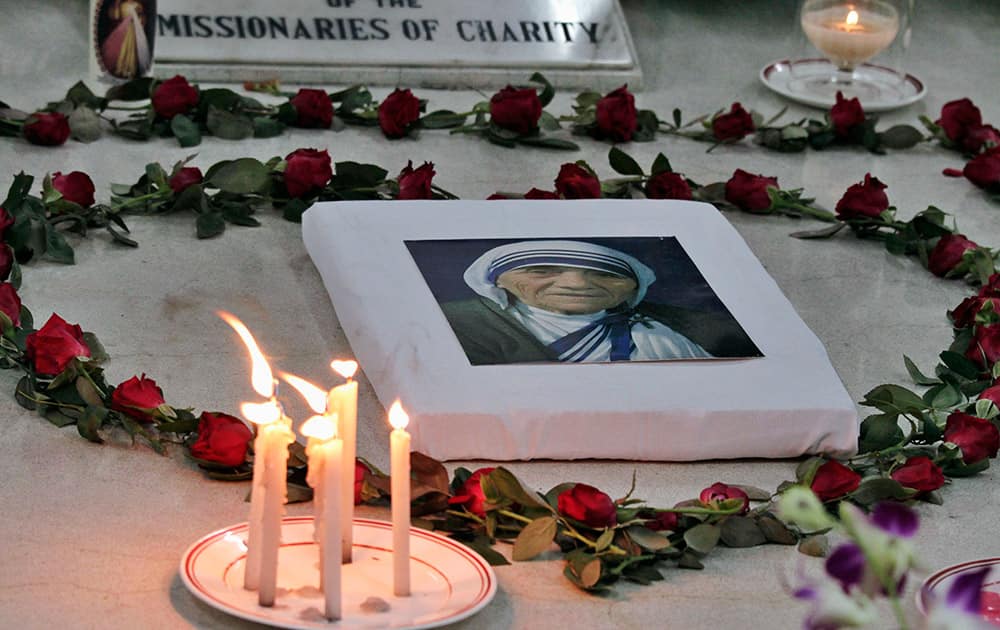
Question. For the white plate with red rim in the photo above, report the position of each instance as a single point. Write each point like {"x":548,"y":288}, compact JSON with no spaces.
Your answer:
{"x":936,"y":587}
{"x":449,"y":581}
{"x":899,"y":90}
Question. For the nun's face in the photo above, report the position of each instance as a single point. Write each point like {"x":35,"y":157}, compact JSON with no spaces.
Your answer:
{"x":567,"y":290}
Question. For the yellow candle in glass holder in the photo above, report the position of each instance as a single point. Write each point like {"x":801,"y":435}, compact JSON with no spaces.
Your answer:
{"x":849,"y":35}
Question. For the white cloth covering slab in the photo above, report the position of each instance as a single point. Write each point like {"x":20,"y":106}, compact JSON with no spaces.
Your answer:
{"x":784,"y":404}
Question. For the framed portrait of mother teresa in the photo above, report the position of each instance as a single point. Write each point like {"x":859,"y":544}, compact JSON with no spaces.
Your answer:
{"x":578,"y":300}
{"x":618,"y":329}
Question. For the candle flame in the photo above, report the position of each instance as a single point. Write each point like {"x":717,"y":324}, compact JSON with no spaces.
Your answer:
{"x":344,"y":368}
{"x":261,"y":376}
{"x":320,"y":427}
{"x":261,"y":413}
{"x":852,"y":18}
{"x":315,"y":397}
{"x":397,"y":417}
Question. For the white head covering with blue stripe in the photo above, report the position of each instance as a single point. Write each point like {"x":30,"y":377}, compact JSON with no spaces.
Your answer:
{"x":602,"y":336}
{"x":482,"y":274}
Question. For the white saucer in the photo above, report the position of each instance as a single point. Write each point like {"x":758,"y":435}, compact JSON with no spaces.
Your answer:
{"x":791,"y":79}
{"x":449,"y":581}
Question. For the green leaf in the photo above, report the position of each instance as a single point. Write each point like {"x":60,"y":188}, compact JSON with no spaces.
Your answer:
{"x":442,"y":119}
{"x":210,"y":224}
{"x":85,"y":124}
{"x":91,"y":421}
{"x":511,"y":488}
{"x":265,"y":127}
{"x":943,"y":396}
{"x":547,"y":90}
{"x":24,"y":393}
{"x":229,"y":126}
{"x":960,"y":365}
{"x":660,"y":165}
{"x":958,"y":468}
{"x":240,"y":177}
{"x":689,"y":560}
{"x":623,"y":163}
{"x":583,"y":569}
{"x":357,"y":175}
{"x":536,"y":537}
{"x":219,"y":98}
{"x":97,"y":352}
{"x":294,"y":208}
{"x":18,"y":190}
{"x":481,"y":545}
{"x":80,"y":94}
{"x":552,"y":496}
{"x":876,"y":489}
{"x":894,"y":399}
{"x":647,"y":538}
{"x":134,"y":90}
{"x":741,"y":531}
{"x":702,"y":538}
{"x":604,"y":540}
{"x":185,"y":130}
{"x":879,"y":432}
{"x":647,"y":124}
{"x":916,"y":375}
{"x":56,"y":247}
{"x":901,"y":137}
{"x":548,"y":143}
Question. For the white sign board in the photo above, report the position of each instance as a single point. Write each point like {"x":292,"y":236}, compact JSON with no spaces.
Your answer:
{"x":778,"y":398}
{"x":432,"y":43}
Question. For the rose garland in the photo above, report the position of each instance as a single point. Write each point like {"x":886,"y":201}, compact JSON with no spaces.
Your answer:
{"x":952,"y":428}
{"x":513,"y":116}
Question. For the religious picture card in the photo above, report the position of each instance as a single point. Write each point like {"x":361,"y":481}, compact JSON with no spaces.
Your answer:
{"x":578,"y":300}
{"x":618,"y":329}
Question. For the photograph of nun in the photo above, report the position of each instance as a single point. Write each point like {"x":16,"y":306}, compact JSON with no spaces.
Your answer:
{"x":578,"y":301}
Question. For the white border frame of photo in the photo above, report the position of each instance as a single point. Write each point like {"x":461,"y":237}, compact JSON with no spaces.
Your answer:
{"x":784,"y":404}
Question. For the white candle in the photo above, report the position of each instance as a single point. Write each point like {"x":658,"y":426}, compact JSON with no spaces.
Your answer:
{"x":399,"y":443}
{"x":850,"y":35}
{"x":343,"y":400}
{"x":325,"y":451}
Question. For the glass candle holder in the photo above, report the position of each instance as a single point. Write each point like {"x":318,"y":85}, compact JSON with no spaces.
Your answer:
{"x":854,"y":47}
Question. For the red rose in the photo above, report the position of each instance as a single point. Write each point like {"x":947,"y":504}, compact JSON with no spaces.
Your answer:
{"x":313,"y":108}
{"x":174,"y":96}
{"x":663,"y":521}
{"x":616,"y":115}
{"x":978,"y":138}
{"x":717,"y":492}
{"x":6,"y":261}
{"x":749,"y":192}
{"x":222,"y":439}
{"x":6,"y":220}
{"x":397,"y":112}
{"x":991,"y":393}
{"x":667,"y":185}
{"x":845,"y":115}
{"x":76,"y":187}
{"x":965,"y":313}
{"x":48,"y":129}
{"x":471,"y":494}
{"x":947,"y":253}
{"x":415,"y":183}
{"x":588,"y":505}
{"x":978,"y":438}
{"x":307,"y":171}
{"x":919,"y":473}
{"x":576,"y":182}
{"x":54,"y":345}
{"x":732,"y":126}
{"x":957,"y":117}
{"x":184,"y":178}
{"x":360,"y":471}
{"x":10,"y":302}
{"x":138,"y":397}
{"x":866,"y":199}
{"x":833,"y":480}
{"x":516,"y":110}
{"x":537,"y":193}
{"x":984,"y":169}
{"x":984,"y":350}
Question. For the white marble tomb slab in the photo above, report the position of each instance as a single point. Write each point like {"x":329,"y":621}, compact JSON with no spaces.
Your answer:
{"x":417,"y":43}
{"x":784,"y":404}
